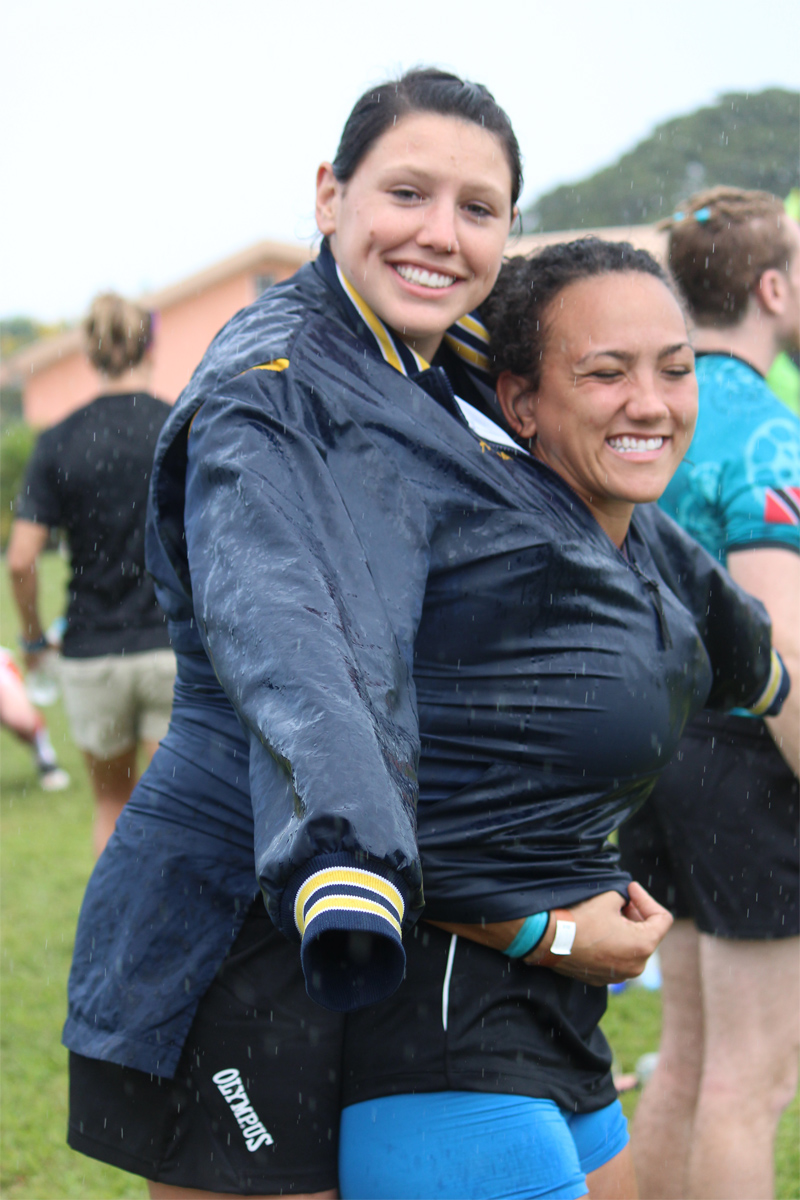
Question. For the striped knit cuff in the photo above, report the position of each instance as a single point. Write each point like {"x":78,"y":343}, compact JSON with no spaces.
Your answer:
{"x":770,"y":702}
{"x":350,"y":920}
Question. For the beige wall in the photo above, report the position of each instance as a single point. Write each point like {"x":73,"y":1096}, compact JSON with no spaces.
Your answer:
{"x":56,"y":391}
{"x":185,"y":330}
{"x":190,"y":319}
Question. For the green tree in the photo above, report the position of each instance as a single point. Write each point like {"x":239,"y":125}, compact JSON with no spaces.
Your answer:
{"x":16,"y":444}
{"x":747,"y":141}
{"x":16,"y":332}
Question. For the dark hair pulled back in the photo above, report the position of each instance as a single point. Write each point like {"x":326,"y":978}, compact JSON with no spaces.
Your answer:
{"x":425,"y":89}
{"x":117,"y":333}
{"x":517,"y":310}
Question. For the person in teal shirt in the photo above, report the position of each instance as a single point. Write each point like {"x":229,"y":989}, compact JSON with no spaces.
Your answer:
{"x":740,"y":489}
{"x":717,"y":841}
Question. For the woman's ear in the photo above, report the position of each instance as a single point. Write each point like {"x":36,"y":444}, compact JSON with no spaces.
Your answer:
{"x":328,"y":192}
{"x":518,"y":403}
{"x":771,"y":291}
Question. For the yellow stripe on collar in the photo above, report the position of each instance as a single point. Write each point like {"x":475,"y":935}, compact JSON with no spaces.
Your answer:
{"x":468,"y":353}
{"x":376,"y":325}
{"x":474,"y":327}
{"x":381,"y":333}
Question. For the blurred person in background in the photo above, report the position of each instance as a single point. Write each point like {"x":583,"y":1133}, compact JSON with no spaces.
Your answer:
{"x":89,"y":476}
{"x":718,"y":840}
{"x":784,"y":374}
{"x":19,"y":716}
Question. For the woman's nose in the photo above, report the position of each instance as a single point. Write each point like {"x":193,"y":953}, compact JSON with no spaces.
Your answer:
{"x":438,"y":229}
{"x":645,"y":402}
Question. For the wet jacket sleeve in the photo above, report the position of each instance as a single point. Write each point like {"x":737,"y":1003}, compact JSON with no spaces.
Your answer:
{"x":734,"y":626}
{"x":317,"y":663}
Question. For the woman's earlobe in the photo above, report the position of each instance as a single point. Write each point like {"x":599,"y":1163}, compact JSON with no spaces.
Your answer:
{"x":327,"y":192}
{"x":518,"y":403}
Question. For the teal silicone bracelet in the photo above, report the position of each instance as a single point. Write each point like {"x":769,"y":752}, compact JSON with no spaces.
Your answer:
{"x":530,"y":935}
{"x":35,"y":647}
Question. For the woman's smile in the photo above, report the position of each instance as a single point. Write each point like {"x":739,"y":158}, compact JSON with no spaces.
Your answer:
{"x":637,"y":448}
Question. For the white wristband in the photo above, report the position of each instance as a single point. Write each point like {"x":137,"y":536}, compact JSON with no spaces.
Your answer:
{"x":565,"y":936}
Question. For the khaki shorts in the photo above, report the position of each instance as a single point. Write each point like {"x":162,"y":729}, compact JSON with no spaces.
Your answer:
{"x":117,"y":700}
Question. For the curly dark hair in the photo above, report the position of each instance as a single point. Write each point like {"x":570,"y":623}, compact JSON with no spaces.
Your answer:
{"x":516,"y":311}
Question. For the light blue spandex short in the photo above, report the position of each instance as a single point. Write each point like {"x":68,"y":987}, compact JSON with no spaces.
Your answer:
{"x":455,"y":1145}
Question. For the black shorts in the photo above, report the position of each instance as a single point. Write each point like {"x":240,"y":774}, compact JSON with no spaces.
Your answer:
{"x":467,"y":1018}
{"x":254,"y":1105}
{"x":717,"y":841}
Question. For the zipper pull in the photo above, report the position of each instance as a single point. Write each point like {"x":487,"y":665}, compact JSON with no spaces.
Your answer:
{"x":655,"y":593}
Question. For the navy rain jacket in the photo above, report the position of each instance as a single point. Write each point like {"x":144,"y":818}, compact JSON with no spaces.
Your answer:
{"x":380,"y":605}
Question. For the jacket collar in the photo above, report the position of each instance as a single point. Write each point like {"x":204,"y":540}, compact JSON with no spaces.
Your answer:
{"x":468,"y":338}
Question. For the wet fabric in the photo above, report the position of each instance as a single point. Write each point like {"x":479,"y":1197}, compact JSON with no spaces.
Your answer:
{"x":372,"y":605}
{"x":456,"y":1144}
{"x":254,"y":1105}
{"x":469,"y":1019}
{"x":739,"y":486}
{"x":719,"y":839}
{"x":89,"y":476}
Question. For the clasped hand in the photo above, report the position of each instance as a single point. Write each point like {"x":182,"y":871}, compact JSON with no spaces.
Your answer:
{"x":613,"y":937}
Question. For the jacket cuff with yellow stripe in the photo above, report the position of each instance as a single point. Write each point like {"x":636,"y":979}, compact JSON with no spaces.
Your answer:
{"x":348,"y":914}
{"x":771,"y":700}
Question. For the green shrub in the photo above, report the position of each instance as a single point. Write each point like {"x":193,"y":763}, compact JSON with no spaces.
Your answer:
{"x":16,"y":443}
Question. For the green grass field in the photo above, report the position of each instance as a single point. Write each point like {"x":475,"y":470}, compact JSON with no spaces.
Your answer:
{"x":45,"y":860}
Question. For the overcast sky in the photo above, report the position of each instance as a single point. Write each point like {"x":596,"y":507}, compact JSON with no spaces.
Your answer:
{"x":143,"y":141}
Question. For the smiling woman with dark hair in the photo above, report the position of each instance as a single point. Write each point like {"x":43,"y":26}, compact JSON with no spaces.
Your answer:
{"x":353,"y":556}
{"x":576,"y":643}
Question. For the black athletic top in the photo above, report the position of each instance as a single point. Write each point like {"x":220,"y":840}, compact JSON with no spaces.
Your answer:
{"x":89,"y":475}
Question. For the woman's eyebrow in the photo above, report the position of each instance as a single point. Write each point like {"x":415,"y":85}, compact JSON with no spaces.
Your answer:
{"x":622,"y":355}
{"x":626,"y":356}
{"x":421,"y":174}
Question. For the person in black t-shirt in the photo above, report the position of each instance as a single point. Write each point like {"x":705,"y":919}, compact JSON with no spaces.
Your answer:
{"x":89,"y":475}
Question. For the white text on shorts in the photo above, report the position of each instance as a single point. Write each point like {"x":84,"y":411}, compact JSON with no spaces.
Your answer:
{"x":230,"y":1084}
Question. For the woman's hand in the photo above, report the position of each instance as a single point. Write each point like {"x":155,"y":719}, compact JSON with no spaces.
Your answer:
{"x":613,"y":939}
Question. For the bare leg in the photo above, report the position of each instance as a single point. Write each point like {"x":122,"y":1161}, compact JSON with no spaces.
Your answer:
{"x":147,"y":749}
{"x":113,"y":780}
{"x":661,"y":1134}
{"x":752,"y":1035}
{"x":615,"y":1180}
{"x":166,"y":1191}
{"x":16,"y":711}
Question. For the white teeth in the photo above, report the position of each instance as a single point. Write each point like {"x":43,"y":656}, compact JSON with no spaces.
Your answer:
{"x":626,"y":444}
{"x":425,"y":278}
